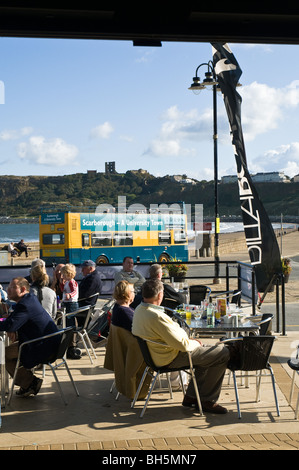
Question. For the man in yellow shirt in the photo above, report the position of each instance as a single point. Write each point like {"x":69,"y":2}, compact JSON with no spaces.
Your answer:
{"x":210,"y":362}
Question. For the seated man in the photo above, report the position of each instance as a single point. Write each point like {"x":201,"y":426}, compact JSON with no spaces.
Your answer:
{"x":210,"y":362}
{"x":128,"y":274}
{"x":29,"y":320}
{"x":11,"y":249}
{"x":90,"y":284}
{"x":22,"y":247}
{"x":155,"y":272}
{"x":133,"y":277}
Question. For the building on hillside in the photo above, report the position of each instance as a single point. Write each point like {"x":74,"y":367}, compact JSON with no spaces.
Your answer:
{"x":183,"y":179}
{"x":270,"y":177}
{"x":110,"y":167}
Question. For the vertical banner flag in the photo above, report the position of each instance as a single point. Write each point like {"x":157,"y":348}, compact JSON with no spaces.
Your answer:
{"x":260,"y":237}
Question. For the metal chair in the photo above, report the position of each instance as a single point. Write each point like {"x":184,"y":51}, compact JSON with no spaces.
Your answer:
{"x":82,"y":331}
{"x":294,"y":365}
{"x":261,"y":321}
{"x":66,"y":336}
{"x":170,"y":303}
{"x":91,"y":300}
{"x":198,"y":293}
{"x":155,"y":371}
{"x":254,"y":352}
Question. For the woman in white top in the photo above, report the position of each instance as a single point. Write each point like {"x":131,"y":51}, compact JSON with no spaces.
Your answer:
{"x":45,"y":295}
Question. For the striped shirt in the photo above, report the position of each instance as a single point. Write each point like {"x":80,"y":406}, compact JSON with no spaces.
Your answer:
{"x":71,"y":287}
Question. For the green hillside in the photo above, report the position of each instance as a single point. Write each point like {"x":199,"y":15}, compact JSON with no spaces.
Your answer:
{"x":23,"y":196}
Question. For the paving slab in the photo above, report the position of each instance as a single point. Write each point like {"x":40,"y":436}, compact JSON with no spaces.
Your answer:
{"x":96,"y":420}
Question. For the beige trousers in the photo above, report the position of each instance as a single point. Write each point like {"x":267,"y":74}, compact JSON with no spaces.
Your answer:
{"x":210,"y":363}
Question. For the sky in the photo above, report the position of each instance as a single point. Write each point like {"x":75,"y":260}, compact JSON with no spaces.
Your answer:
{"x":68,"y":106}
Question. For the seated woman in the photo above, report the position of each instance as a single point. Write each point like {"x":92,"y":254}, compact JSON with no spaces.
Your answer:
{"x":122,"y":314}
{"x":45,"y":295}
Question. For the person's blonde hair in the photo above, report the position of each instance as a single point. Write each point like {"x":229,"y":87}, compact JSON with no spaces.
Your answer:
{"x":122,"y":291}
{"x":68,"y":271}
{"x":39,"y":274}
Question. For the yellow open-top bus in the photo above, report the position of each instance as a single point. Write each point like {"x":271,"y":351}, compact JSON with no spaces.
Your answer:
{"x":72,"y":237}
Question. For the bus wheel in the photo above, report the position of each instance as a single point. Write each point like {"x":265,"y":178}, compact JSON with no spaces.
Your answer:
{"x":164,"y":258}
{"x":102,"y":260}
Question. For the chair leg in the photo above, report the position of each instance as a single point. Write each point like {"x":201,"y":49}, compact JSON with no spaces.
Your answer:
{"x":274,"y":389}
{"x":85,"y":346}
{"x":292,"y":386}
{"x":58,"y":384}
{"x":71,"y":378}
{"x":149,"y":394}
{"x":237,"y":395}
{"x":85,"y":334}
{"x":139,"y":386}
{"x":169,"y":384}
{"x":13,"y":383}
{"x":297,"y":405}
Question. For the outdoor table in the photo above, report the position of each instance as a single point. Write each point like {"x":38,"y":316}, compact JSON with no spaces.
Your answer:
{"x":199,"y":326}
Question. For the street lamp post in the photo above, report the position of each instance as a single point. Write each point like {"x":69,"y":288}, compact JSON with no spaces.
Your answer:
{"x":196,"y":87}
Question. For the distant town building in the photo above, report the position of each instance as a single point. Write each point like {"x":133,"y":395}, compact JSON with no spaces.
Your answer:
{"x":229,"y":179}
{"x":183,"y":179}
{"x":296,"y":179}
{"x":270,"y":177}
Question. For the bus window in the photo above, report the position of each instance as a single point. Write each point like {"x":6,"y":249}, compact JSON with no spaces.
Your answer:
{"x":164,"y":238}
{"x":53,"y":238}
{"x":101,"y":239}
{"x":85,"y":239}
{"x":179,"y":236}
{"x":123,"y":238}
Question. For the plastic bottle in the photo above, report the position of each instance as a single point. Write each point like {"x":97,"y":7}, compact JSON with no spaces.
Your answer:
{"x":58,"y":302}
{"x":210,"y":315}
{"x":218,"y":313}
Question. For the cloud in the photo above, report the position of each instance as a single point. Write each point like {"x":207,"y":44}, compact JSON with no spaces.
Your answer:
{"x":13,"y":134}
{"x":264,"y":107}
{"x":284,"y":158}
{"x":103,"y":131}
{"x":179,"y":128}
{"x":48,"y":152}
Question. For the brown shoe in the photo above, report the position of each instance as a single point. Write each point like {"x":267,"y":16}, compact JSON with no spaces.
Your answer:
{"x":212,"y":407}
{"x":189,"y":401}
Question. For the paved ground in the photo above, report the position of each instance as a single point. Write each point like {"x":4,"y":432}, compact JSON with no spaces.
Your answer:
{"x":95,"y":420}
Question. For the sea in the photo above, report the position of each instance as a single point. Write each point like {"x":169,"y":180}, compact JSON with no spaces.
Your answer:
{"x":30,"y":232}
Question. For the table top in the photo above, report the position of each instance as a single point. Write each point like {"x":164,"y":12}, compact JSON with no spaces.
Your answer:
{"x":200,"y":326}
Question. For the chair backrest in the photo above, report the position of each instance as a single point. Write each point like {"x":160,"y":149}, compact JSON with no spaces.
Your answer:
{"x":255,"y":352}
{"x":236,"y":297}
{"x":99,"y":329}
{"x":146,"y":354}
{"x":91,"y":300}
{"x":66,"y":337}
{"x":170,"y":303}
{"x":197,"y":294}
{"x":88,"y":317}
{"x":265,"y":323}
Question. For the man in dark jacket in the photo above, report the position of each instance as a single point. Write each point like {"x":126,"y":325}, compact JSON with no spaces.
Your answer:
{"x":90,"y":284}
{"x":28,"y":320}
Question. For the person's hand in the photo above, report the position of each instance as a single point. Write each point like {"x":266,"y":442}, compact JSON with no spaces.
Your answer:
{"x":12,"y":336}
